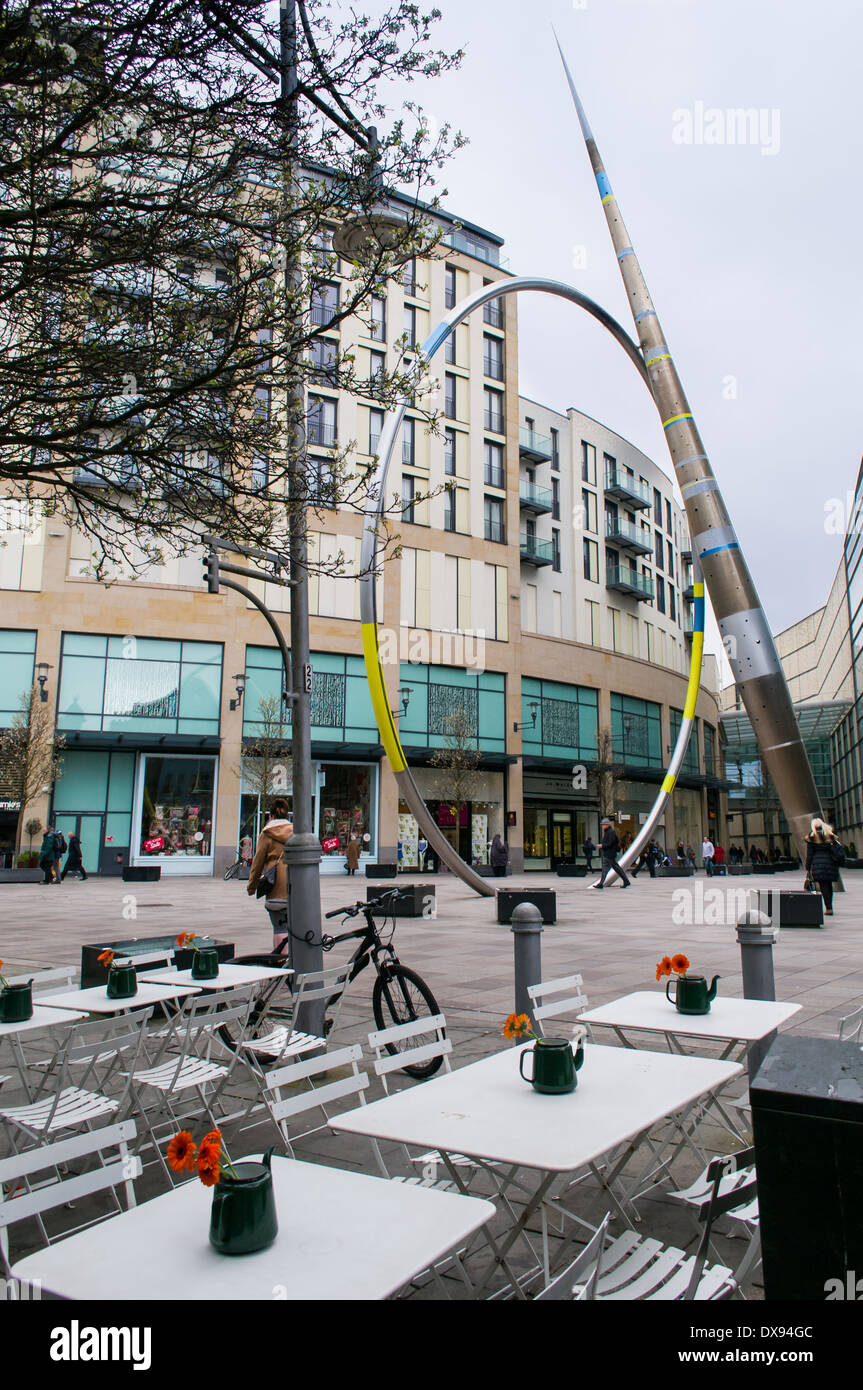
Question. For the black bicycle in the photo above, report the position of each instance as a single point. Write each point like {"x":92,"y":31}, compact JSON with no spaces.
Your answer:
{"x":399,"y":994}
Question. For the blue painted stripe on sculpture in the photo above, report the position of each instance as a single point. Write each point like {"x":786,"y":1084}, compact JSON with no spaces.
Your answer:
{"x":732,"y":545}
{"x":628,"y":252}
{"x":645,"y":314}
{"x":602,"y":182}
{"x":698,"y":614}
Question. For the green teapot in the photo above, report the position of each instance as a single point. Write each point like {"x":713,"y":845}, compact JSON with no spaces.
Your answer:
{"x":692,"y":995}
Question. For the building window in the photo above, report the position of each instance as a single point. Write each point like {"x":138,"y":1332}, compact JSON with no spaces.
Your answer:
{"x":260,"y":471}
{"x":636,"y":730}
{"x":588,"y":463}
{"x":668,"y":526}
{"x":325,"y":304}
{"x":588,"y":505}
{"x":671,"y":613}
{"x":591,"y":561}
{"x":410,"y":327}
{"x":262,"y":403}
{"x":376,"y":425}
{"x":555,"y":498}
{"x":657,"y":550}
{"x":493,"y":518}
{"x":492,"y":357}
{"x":449,"y":287}
{"x":378,"y":327}
{"x":555,"y":449}
{"x":449,"y":349}
{"x":321,"y":421}
{"x":494,"y":413}
{"x":555,"y":549}
{"x":322,"y":356}
{"x":409,"y":428}
{"x":408,"y":494}
{"x":670,"y":552}
{"x":492,"y":312}
{"x":657,"y":506}
{"x":377,"y":369}
{"x":409,"y":276}
{"x":323,"y":481}
{"x":660,"y":593}
{"x":494,"y":471}
{"x":449,"y":452}
{"x":449,"y":509}
{"x":593,"y":633}
{"x":450,"y":396}
{"x":166,"y":687}
{"x":176,"y":801}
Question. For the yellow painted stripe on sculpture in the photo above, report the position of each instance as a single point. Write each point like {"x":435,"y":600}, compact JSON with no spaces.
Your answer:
{"x":668,"y":782}
{"x":694,"y":674}
{"x":380,"y":701}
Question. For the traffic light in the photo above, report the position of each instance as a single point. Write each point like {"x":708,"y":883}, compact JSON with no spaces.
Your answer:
{"x":211,"y":572}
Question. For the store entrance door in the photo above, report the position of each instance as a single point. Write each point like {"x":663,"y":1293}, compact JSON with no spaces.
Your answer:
{"x":90,"y":828}
{"x":562,"y":841}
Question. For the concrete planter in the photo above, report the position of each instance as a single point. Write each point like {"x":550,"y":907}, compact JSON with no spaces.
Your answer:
{"x":417,"y":900}
{"x":544,"y":898}
{"x":21,"y":875}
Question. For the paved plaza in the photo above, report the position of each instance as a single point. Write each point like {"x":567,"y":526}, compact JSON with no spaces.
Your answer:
{"x":613,"y":940}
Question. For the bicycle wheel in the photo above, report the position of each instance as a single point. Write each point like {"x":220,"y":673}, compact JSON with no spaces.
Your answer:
{"x":400,"y":996}
{"x":265,"y":1015}
{"x":232,"y":871}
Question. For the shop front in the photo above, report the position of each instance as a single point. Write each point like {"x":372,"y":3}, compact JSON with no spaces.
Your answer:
{"x":344,"y":806}
{"x":557,"y":821}
{"x":470,"y":825}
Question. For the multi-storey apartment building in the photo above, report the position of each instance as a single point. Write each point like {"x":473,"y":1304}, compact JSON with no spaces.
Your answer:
{"x":541,"y":588}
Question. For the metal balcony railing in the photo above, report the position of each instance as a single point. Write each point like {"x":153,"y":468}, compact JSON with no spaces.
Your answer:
{"x":493,"y":367}
{"x":494,"y":477}
{"x":625,"y":534}
{"x":494,"y":422}
{"x":535,"y":551}
{"x":535,"y":499}
{"x":619,"y":482}
{"x":627,"y":580}
{"x":537,"y":446}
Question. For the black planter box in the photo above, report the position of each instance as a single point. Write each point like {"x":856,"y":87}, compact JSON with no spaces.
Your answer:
{"x":381,"y":870}
{"x":738,"y":869}
{"x":572,"y":871}
{"x":676,"y":871}
{"x":145,"y":953}
{"x":807,"y":1117}
{"x":788,"y":909}
{"x":143,"y":873}
{"x":543,"y":898}
{"x":415,"y":900}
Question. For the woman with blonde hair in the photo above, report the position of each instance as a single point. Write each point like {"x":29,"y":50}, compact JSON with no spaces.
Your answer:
{"x":824,"y":854}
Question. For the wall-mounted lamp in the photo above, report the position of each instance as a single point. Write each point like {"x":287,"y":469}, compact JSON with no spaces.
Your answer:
{"x":239,"y":685}
{"x":404,"y":699}
{"x":533,"y":706}
{"x":42,"y":669}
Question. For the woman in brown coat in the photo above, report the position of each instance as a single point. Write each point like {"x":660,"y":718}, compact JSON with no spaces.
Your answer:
{"x":352,"y":855}
{"x":268,"y":855}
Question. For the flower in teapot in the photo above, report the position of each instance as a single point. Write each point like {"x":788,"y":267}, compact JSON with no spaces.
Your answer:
{"x":517,"y":1026}
{"x":672,"y":965}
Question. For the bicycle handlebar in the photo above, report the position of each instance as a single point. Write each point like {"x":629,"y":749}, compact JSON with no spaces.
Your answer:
{"x":393,"y":896}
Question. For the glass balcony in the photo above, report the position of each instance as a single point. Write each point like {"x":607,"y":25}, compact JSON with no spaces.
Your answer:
{"x":536,"y":552}
{"x":535,"y":499}
{"x":685,"y":546}
{"x":688,"y":591}
{"x":482,"y":250}
{"x":625,"y":579}
{"x":629,"y":537}
{"x":534,"y":446}
{"x":688,"y":627}
{"x":619,"y":482}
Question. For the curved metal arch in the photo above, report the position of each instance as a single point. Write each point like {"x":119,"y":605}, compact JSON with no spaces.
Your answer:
{"x":375,"y":509}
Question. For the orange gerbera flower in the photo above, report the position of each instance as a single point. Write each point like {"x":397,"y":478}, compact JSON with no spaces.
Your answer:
{"x":680,"y":964}
{"x":184,"y":938}
{"x":663,"y":967}
{"x":516,"y":1026}
{"x":214,"y":1138}
{"x":208,"y":1165}
{"x":181,"y":1152}
{"x":105,"y":958}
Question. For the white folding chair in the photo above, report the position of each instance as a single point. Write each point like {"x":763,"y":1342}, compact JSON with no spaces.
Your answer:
{"x":47,"y":982}
{"x":851,"y":1026}
{"x":284,"y":1102}
{"x":545,"y":1002}
{"x":270,"y":1043}
{"x":116,"y":1170}
{"x":188,"y":1066}
{"x":98,"y":1049}
{"x":637,"y":1267}
{"x":578,"y":1280}
{"x":699,"y":1191}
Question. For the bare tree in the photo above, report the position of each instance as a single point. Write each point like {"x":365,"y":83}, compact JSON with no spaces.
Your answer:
{"x":167,"y":284}
{"x":459,"y":759}
{"x":266,"y":768}
{"x":604,"y":776}
{"x":30,"y":755}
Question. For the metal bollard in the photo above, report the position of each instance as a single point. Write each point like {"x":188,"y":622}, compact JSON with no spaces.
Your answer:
{"x":757,"y":937}
{"x":526,"y":926}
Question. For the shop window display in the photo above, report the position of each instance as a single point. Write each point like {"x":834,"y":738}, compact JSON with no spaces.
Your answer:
{"x":177,"y":809}
{"x":345,"y":802}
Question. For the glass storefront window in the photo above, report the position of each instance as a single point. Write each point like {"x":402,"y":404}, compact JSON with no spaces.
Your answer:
{"x":177,"y":806}
{"x":536,"y":837}
{"x":345,"y":801}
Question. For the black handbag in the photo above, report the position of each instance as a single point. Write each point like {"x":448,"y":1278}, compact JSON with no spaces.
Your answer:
{"x":266,"y":883}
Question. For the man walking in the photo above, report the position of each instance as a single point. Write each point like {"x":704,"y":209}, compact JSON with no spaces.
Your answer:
{"x":707,"y":852}
{"x":610,"y":848}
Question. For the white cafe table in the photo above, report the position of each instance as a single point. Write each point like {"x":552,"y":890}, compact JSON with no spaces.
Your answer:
{"x":229,"y":977}
{"x":95,"y":999}
{"x":486,"y":1111}
{"x":342,"y":1235}
{"x":42,"y":1018}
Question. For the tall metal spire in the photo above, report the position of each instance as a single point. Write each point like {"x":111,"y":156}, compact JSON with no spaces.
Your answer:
{"x":746,"y":634}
